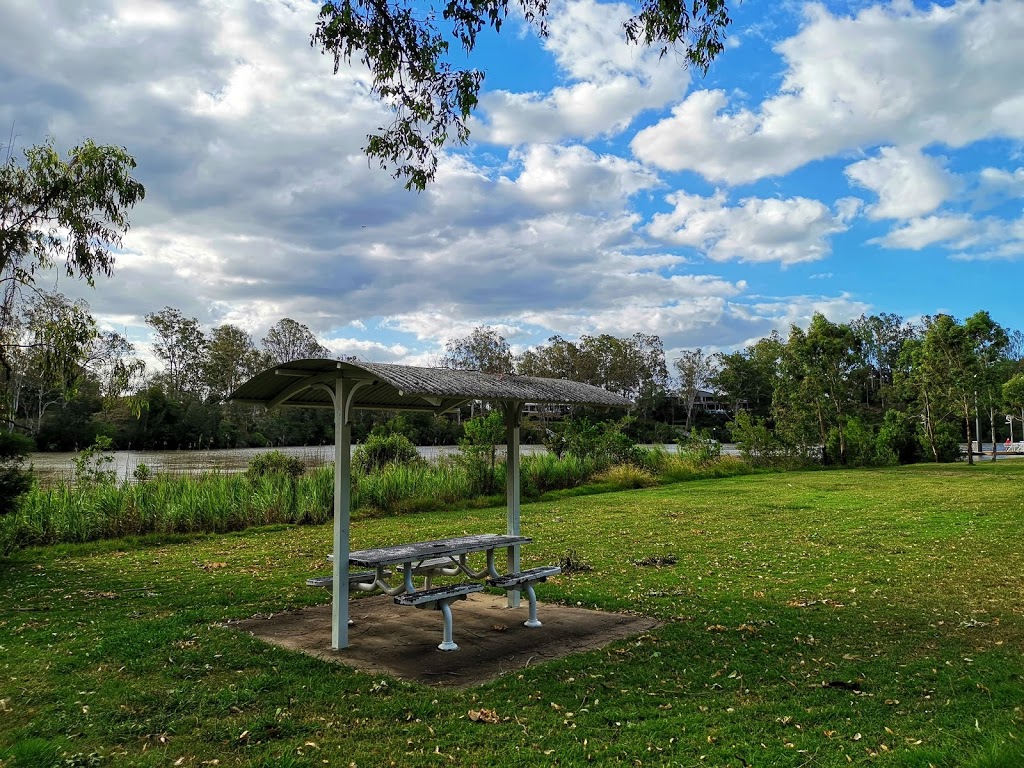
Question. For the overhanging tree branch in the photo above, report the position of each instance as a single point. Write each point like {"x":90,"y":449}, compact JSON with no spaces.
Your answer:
{"x":432,"y":99}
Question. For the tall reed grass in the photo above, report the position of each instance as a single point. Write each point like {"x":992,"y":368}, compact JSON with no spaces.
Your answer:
{"x":217,"y":503}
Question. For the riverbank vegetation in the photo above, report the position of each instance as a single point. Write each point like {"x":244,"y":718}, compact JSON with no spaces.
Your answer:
{"x":850,"y":617}
{"x":388,"y":478}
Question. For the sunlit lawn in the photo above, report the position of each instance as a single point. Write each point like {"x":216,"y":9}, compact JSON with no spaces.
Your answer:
{"x":818,"y":619}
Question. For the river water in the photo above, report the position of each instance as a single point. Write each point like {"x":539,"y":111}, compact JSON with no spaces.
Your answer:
{"x":51,"y":467}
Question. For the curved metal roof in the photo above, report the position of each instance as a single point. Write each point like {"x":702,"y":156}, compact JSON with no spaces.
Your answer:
{"x":404,"y":387}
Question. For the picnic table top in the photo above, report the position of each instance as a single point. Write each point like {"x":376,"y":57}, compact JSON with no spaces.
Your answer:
{"x":421,"y":550}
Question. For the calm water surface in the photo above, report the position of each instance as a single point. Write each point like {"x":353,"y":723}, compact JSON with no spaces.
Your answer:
{"x":56,"y":466}
{"x":50,"y":467}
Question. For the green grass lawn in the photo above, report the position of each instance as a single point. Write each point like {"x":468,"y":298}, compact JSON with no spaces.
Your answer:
{"x":811,"y":619}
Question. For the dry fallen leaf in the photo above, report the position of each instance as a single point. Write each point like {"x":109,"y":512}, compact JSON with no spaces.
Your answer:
{"x":500,"y":627}
{"x":484,"y":716}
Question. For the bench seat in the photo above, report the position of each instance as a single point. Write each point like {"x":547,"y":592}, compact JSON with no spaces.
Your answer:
{"x":531,"y":576}
{"x":441,"y":598}
{"x":438,"y":594}
{"x":526,"y":579}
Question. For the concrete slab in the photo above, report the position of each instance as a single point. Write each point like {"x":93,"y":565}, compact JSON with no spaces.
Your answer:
{"x":402,"y":642}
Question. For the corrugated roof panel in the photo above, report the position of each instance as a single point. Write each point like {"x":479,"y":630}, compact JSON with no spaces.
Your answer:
{"x":404,"y":386}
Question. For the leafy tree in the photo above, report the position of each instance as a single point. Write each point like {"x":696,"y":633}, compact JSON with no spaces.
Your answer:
{"x":409,"y":58}
{"x":989,"y":341}
{"x":881,"y":339}
{"x":1013,"y":395}
{"x":818,"y":384}
{"x":646,"y":373}
{"x":748,"y":379}
{"x":57,"y":337}
{"x":950,"y":364}
{"x":181,"y":346}
{"x":72,"y":211}
{"x":1015,"y":346}
{"x":483,"y":350}
{"x":230,"y":359}
{"x":696,"y":372}
{"x":118,"y":372}
{"x":919,"y":387}
{"x":289,"y":340}
{"x":633,"y":367}
{"x":558,"y":359}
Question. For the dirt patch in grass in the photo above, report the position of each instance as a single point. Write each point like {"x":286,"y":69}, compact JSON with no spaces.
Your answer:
{"x":402,"y":642}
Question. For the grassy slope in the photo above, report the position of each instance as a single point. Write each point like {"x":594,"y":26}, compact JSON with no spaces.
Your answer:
{"x":901,"y":589}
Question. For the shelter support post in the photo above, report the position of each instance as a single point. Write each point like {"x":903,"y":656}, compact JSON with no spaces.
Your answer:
{"x":513,"y":419}
{"x":342,"y":395}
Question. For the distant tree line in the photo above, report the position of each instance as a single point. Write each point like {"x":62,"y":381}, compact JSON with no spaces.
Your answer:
{"x":875,"y":390}
{"x":878,"y":390}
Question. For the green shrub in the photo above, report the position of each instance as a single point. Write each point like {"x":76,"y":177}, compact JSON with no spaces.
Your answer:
{"x":896,"y":441}
{"x":15,"y":480}
{"x":627,"y":477}
{"x":860,"y":442}
{"x":381,"y":450}
{"x":606,"y":443}
{"x":700,"y":449}
{"x":274,"y":463}
{"x":93,"y":464}
{"x":478,"y":452}
{"x":947,"y":443}
{"x":545,"y":472}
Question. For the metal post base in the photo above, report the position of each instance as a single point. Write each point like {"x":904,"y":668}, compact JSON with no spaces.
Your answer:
{"x":532,"y":621}
{"x":449,"y":643}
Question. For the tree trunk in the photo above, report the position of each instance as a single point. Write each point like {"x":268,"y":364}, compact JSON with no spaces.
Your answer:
{"x":967,"y":420}
{"x":992,"y":423}
{"x":928,"y":428}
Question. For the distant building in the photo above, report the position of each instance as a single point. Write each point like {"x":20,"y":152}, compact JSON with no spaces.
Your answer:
{"x":710,"y":402}
{"x":544,"y":411}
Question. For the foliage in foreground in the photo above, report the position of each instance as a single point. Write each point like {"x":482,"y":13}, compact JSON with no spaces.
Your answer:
{"x":810,"y":619}
{"x":275,"y":490}
{"x":14,"y":478}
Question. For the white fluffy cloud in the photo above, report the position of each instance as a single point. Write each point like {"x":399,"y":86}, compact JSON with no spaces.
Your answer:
{"x":756,"y":230}
{"x":997,"y":184}
{"x":907,"y":183}
{"x":574,"y":178}
{"x":968,"y":238}
{"x":608,"y":81}
{"x":896,"y":74}
{"x":921,"y":232}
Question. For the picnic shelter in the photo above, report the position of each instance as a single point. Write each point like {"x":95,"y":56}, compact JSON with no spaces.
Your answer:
{"x":346,"y":386}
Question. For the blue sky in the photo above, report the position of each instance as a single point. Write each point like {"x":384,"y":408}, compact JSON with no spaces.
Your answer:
{"x":841,"y":158}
